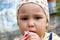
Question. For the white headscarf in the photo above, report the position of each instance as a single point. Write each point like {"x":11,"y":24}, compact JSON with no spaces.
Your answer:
{"x":42,"y":3}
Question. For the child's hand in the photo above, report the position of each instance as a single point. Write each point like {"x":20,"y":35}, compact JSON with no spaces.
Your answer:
{"x":30,"y":36}
{"x":25,"y":36}
{"x":33,"y":36}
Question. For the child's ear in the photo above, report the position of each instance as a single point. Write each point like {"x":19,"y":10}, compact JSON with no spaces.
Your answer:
{"x":47,"y":24}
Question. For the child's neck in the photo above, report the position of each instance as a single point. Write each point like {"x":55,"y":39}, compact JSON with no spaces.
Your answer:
{"x":42,"y":36}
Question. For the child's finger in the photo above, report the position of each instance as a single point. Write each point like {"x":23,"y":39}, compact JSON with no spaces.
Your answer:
{"x":23,"y":38}
{"x":34,"y":36}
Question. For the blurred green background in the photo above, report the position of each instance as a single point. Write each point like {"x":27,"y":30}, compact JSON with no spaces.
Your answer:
{"x":58,"y":8}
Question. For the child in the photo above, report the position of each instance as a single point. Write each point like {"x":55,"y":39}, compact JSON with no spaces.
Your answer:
{"x":33,"y":20}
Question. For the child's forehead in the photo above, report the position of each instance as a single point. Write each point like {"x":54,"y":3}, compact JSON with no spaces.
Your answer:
{"x":30,"y":8}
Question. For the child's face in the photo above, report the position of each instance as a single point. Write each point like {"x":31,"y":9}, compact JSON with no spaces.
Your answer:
{"x":31,"y":17}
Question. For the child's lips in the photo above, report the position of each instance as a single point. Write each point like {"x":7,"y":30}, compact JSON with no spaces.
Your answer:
{"x":32,"y":31}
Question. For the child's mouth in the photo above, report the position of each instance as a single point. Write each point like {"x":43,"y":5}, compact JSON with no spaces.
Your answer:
{"x":32,"y":31}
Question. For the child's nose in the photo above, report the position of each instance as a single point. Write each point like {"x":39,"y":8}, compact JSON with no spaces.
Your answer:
{"x":31,"y":23}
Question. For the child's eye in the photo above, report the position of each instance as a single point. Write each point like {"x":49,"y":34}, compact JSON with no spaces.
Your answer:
{"x":24,"y":18}
{"x":37,"y":18}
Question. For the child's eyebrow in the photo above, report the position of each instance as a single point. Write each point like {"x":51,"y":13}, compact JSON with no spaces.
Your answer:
{"x":23,"y":15}
{"x":37,"y":15}
{"x":26,"y":15}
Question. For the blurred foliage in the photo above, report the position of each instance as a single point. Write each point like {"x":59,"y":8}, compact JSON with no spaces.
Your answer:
{"x":58,"y":8}
{"x":58,"y":5}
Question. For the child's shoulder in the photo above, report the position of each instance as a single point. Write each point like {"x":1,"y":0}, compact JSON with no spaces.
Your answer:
{"x":54,"y":36}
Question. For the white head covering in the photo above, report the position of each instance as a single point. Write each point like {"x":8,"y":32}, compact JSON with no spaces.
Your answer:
{"x":42,"y":3}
